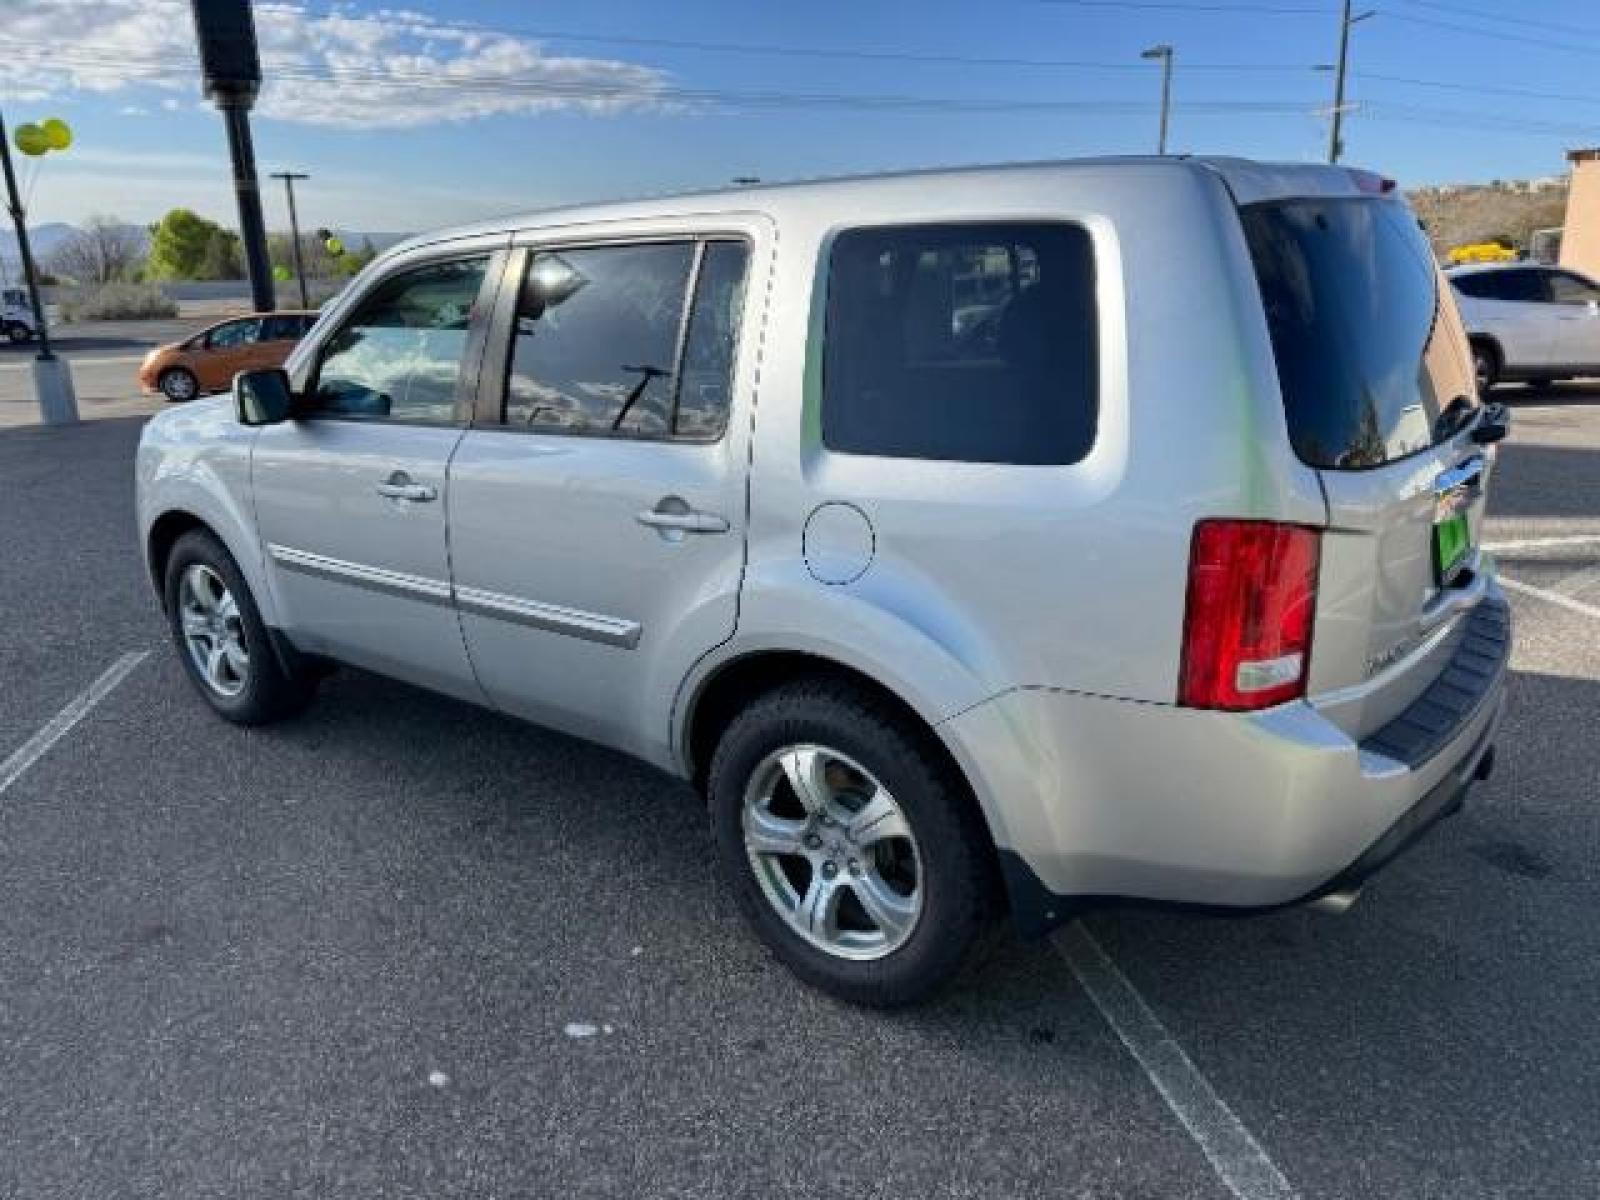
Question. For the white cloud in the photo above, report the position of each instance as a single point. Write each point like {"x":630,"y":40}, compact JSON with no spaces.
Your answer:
{"x":384,"y":68}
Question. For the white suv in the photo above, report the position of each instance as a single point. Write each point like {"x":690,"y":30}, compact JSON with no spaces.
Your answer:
{"x":1529,"y":322}
{"x":1029,"y":536}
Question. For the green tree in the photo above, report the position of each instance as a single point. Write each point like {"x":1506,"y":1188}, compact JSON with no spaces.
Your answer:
{"x":185,"y":245}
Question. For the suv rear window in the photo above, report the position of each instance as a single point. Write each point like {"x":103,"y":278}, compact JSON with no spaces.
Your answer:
{"x":1368,"y":370}
{"x":974,"y":343}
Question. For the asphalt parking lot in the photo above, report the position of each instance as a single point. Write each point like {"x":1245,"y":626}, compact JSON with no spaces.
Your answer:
{"x":404,"y":947}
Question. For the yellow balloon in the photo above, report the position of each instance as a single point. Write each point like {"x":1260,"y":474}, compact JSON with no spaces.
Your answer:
{"x":31,"y":140}
{"x":334,"y":246}
{"x":57,"y":132}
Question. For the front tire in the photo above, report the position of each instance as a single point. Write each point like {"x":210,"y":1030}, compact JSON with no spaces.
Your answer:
{"x":178,"y":385}
{"x":854,"y":855}
{"x":17,"y":333}
{"x":1485,"y":366}
{"x":225,"y":648}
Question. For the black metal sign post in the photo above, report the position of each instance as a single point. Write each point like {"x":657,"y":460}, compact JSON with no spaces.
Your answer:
{"x":52,"y":376}
{"x":24,"y":250}
{"x":226,"y":30}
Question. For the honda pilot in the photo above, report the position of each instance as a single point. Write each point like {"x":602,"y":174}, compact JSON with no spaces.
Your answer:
{"x":1009,"y":539}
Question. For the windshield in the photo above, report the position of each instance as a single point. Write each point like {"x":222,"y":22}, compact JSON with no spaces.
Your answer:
{"x":1372,"y":360}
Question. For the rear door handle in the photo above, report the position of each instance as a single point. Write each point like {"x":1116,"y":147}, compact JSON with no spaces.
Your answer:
{"x":686,"y":521}
{"x":400,"y":487}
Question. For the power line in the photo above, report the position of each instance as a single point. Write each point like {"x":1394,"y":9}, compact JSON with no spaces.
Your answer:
{"x":1478,"y":89}
{"x":1492,"y":34}
{"x":1484,"y":14}
{"x":582,"y":90}
{"x":1242,"y":6}
{"x":763,"y":49}
{"x":1460,"y":118}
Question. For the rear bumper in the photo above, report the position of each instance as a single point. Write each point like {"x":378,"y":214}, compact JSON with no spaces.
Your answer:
{"x":1094,"y":799}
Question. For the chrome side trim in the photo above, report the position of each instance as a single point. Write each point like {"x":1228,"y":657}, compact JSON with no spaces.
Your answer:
{"x":376,"y":579}
{"x":592,"y":627}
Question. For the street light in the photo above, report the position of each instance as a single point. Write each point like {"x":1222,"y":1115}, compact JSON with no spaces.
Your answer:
{"x":1164,"y":53}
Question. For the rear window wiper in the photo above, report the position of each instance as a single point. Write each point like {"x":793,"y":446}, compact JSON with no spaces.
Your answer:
{"x":1494,"y":422}
{"x":1455,"y":417}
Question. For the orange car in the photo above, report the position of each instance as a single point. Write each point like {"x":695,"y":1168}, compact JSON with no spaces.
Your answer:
{"x":209,"y":360}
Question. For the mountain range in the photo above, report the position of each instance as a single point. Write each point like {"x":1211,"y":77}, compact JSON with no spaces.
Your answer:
{"x":46,"y":238}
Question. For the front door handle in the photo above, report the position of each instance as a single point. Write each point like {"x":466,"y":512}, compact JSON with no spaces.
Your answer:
{"x":400,"y":487}
{"x":672,"y":515}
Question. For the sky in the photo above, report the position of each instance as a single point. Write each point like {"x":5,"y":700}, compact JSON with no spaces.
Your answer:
{"x":441,"y":111}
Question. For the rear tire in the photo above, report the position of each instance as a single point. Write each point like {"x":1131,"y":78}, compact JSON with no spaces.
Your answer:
{"x":1485,"y":366}
{"x":222,"y":642}
{"x":893,"y":848}
{"x":178,"y":385}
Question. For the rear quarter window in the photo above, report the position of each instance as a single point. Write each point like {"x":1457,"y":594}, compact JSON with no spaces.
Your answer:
{"x":972,"y":343}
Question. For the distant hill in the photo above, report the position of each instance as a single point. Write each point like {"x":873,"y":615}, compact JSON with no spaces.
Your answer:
{"x":1458,"y":214}
{"x":47,"y":237}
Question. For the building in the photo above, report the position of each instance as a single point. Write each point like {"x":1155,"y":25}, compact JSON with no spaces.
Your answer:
{"x":1580,"y":243}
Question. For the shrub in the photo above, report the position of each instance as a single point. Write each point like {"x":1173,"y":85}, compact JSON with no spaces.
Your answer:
{"x":118,"y":302}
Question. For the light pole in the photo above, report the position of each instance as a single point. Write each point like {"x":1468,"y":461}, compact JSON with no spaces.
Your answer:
{"x":1335,"y":141}
{"x":288,"y":178}
{"x":231,"y":74}
{"x":52,"y":377}
{"x":1164,"y":53}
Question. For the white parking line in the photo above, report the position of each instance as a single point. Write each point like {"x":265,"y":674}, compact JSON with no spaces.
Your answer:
{"x":1235,"y":1155}
{"x":32,"y":750}
{"x":1577,"y":539}
{"x":1567,"y":602}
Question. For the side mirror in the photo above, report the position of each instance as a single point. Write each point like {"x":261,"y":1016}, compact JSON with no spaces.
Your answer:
{"x":263,"y":397}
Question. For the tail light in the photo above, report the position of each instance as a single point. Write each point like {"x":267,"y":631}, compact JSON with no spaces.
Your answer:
{"x":1247,"y":626}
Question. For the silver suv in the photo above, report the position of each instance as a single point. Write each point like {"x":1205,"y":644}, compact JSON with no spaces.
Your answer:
{"x":1011,"y":538}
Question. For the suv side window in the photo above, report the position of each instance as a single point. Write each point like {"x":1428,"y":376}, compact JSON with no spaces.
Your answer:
{"x":1566,"y":288}
{"x":605,"y":345}
{"x":1519,"y":287}
{"x":399,"y":354}
{"x":282,"y":329}
{"x":974,"y":343}
{"x":234,"y":334}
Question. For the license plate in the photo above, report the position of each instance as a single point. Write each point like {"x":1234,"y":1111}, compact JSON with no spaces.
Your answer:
{"x":1452,"y":542}
{"x":1454,"y":492}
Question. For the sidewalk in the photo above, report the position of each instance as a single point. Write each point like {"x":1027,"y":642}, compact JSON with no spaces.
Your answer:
{"x":105,"y":388}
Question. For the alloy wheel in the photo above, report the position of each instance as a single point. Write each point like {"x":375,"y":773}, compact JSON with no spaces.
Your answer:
{"x":179,"y":386}
{"x":833,"y":852}
{"x":213,"y":630}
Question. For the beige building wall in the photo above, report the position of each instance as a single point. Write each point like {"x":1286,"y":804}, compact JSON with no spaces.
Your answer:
{"x":1580,"y":241}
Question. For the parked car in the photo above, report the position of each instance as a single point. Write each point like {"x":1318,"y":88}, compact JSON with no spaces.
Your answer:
{"x":1529,"y":322}
{"x":16,"y":316}
{"x":1483,"y":252}
{"x":1169,"y":589}
{"x":208,"y":361}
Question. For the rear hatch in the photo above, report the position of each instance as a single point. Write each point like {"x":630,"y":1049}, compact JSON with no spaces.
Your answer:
{"x":1378,"y":392}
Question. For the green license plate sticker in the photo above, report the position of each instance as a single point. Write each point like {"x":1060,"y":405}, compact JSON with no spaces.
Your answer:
{"x":1452,"y":539}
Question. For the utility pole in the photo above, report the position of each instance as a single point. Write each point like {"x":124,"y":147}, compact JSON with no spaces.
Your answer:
{"x":1335,"y":140}
{"x":1164,"y":53}
{"x":52,"y":377}
{"x":226,"y":31}
{"x":288,"y":178}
